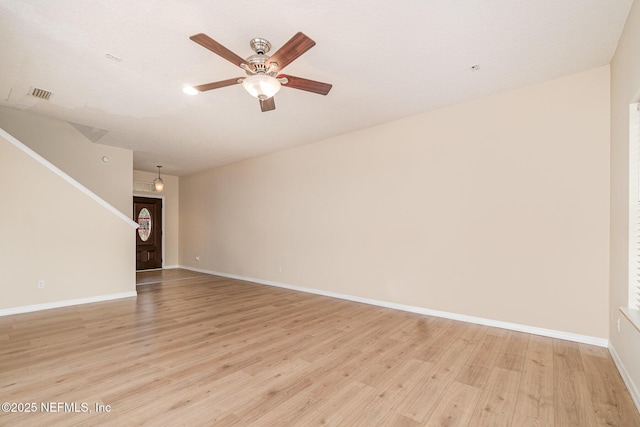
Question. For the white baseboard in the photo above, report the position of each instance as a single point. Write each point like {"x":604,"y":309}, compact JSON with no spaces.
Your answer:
{"x":633,"y":390}
{"x":584,"y":339}
{"x":67,"y":303}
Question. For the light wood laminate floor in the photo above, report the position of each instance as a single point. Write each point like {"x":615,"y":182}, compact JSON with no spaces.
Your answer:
{"x":194,"y":349}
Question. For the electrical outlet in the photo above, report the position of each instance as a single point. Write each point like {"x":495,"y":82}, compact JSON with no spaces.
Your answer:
{"x":280,"y":268}
{"x":618,"y":324}
{"x":197,"y":257}
{"x":40,"y":284}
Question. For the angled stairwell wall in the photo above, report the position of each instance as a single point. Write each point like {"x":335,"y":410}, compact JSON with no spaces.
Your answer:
{"x":62,"y":144}
{"x":53,"y":229}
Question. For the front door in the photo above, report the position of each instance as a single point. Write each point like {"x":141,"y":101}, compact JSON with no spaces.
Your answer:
{"x":147,"y":212}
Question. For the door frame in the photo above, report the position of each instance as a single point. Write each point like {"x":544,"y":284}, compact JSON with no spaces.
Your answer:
{"x":153,"y":196}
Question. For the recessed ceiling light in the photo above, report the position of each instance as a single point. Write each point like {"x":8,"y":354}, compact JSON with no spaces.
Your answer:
{"x":190,"y":90}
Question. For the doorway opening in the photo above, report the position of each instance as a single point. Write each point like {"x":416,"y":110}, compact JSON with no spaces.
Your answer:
{"x":147,"y":212}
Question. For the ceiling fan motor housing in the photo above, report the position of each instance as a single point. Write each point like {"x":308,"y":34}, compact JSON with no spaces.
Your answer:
{"x":258,"y":61}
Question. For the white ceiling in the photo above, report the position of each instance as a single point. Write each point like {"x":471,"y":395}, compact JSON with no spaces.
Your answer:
{"x":385,"y":59}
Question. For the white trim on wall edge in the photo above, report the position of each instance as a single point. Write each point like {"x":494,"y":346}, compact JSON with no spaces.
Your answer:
{"x":633,"y":390}
{"x":569,"y":336}
{"x":67,"y":303}
{"x":53,"y":168}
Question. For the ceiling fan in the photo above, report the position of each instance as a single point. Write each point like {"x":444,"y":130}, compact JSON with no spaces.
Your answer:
{"x":263,"y":79}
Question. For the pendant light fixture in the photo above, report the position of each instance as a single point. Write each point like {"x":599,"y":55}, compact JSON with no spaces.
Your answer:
{"x":158,"y":183}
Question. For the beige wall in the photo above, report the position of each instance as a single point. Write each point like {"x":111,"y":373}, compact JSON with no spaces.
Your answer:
{"x":170,"y":204}
{"x":625,"y":89}
{"x":61,"y":144}
{"x":52,"y":231}
{"x":496,"y":208}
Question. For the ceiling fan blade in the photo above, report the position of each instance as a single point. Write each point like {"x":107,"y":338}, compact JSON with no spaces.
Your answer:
{"x":215,"y":47}
{"x":216,"y":85}
{"x":267,"y":105}
{"x":291,"y":50}
{"x":306,"y":84}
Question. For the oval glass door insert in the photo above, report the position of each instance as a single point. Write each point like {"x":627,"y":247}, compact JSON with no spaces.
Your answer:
{"x":144,"y":224}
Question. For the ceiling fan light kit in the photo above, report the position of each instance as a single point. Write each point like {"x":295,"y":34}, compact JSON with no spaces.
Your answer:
{"x":261,"y":86}
{"x":263,"y":80}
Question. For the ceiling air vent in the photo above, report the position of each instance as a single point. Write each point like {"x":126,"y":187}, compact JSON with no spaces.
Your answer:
{"x":41,"y":93}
